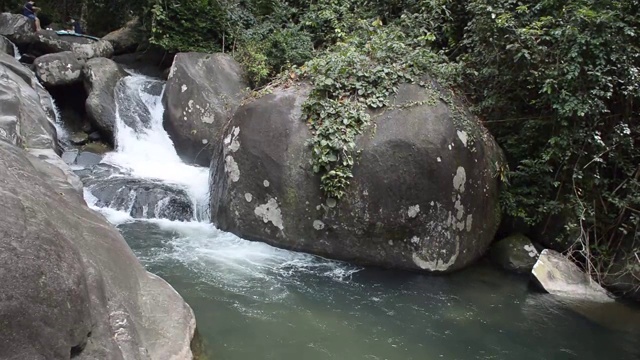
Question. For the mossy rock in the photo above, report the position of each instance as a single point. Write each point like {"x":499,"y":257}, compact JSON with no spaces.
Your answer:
{"x":515,"y":253}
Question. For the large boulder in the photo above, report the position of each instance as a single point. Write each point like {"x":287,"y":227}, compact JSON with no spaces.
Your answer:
{"x":559,"y":276}
{"x":141,"y":198}
{"x":58,"y":69}
{"x":202,"y":93}
{"x":515,"y":253}
{"x":6,"y":46}
{"x":101,"y":76}
{"x":69,"y":284}
{"x":126,"y":39}
{"x":24,"y":119}
{"x":20,"y":30}
{"x":94,"y":50}
{"x":17,"y":28}
{"x":423,"y":197}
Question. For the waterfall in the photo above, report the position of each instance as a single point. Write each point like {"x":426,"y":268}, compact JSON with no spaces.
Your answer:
{"x":16,"y":51}
{"x":144,"y":149}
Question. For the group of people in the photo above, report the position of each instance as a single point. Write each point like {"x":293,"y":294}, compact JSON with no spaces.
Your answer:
{"x":29,"y":10}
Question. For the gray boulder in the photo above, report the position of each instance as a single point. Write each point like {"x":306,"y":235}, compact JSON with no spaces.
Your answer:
{"x":558,"y":275}
{"x":17,"y":28}
{"x":202,"y":93}
{"x":58,"y":69}
{"x":23,"y":119}
{"x":21,"y":31}
{"x":101,"y":76}
{"x":423,"y":196}
{"x":69,"y":284}
{"x":6,"y":46}
{"x":515,"y":253}
{"x":126,"y":39}
{"x":93,"y":50}
{"x":141,"y":198}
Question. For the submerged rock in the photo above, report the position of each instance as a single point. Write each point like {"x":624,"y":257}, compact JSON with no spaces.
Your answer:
{"x":196,"y":110}
{"x":142,"y":198}
{"x":101,"y":76}
{"x":423,"y":196}
{"x":515,"y":253}
{"x":558,"y":275}
{"x":79,"y":138}
{"x":58,"y":69}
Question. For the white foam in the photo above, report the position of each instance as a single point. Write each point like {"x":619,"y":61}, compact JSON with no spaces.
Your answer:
{"x":116,"y":217}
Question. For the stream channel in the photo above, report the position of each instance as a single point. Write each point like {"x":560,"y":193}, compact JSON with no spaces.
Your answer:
{"x":254,"y":301}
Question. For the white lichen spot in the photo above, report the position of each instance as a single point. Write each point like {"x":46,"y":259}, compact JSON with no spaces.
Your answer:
{"x":460,"y":179}
{"x":231,"y":167}
{"x":235,"y":143}
{"x":331,"y":202}
{"x":433,"y":265}
{"x":248,"y":197}
{"x":205,"y":141}
{"x":413,"y":211}
{"x":183,"y":88}
{"x":531,"y":250}
{"x":390,"y":242}
{"x":449,"y":147}
{"x":265,"y":183}
{"x":365,"y":193}
{"x":463,"y":137}
{"x":438,"y":159}
{"x":318,"y":225}
{"x":415,"y":240}
{"x":469,"y":222}
{"x":270,"y":212}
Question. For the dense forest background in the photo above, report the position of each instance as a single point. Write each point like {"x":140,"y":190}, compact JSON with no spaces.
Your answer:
{"x":555,"y":81}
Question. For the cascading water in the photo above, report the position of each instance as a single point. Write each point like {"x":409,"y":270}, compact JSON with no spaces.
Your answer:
{"x":16,"y":52}
{"x":253,"y":301}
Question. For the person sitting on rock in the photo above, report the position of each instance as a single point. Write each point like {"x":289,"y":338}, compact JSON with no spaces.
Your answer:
{"x":29,"y":11}
{"x":75,"y":26}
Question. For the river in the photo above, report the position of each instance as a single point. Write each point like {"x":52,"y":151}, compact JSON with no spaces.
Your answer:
{"x":254,"y":301}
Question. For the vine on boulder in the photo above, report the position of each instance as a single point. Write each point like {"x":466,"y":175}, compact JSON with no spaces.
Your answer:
{"x":358,"y":74}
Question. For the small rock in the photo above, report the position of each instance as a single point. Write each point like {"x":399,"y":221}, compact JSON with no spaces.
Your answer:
{"x":69,"y":157}
{"x":557,"y":275}
{"x":27,"y":58}
{"x":94,"y":136}
{"x":88,"y":159}
{"x":515,"y":253}
{"x":79,"y":138}
{"x":97,"y":147}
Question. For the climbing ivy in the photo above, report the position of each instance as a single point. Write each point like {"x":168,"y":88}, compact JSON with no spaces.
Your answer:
{"x":358,"y":74}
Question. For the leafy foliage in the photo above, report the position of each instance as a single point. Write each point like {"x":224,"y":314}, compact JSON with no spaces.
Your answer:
{"x":557,"y":83}
{"x":354,"y":76}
